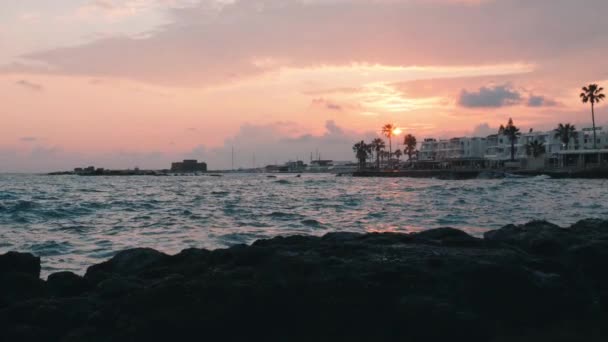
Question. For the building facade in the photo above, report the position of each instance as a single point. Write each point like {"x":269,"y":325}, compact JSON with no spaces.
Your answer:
{"x":496,"y":149}
{"x":452,"y":149}
{"x":189,"y":166}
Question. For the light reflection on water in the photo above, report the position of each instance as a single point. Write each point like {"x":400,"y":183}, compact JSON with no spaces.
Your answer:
{"x":73,"y":222}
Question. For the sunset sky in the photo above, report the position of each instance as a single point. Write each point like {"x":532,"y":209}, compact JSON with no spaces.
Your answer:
{"x":125,"y":83}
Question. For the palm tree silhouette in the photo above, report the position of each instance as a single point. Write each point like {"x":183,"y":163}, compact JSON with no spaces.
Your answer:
{"x":512,"y":133}
{"x":564,"y":133}
{"x":388,"y":131}
{"x":398,"y":155}
{"x":362,"y":151}
{"x":378,"y":146}
{"x":387,"y":156}
{"x":535,"y":149}
{"x":592,"y":93}
{"x":410,"y":143}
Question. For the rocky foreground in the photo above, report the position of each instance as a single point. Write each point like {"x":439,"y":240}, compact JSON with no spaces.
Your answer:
{"x":536,"y":282}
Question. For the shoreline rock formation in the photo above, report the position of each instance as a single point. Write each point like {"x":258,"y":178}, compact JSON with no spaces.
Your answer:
{"x":533,"y":282}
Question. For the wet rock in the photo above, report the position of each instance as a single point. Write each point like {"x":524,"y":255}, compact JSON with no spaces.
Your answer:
{"x":116,"y":286}
{"x":530,"y":282}
{"x":13,"y":262}
{"x":539,"y":237}
{"x":19,"y":278}
{"x":446,"y":236}
{"x":126,"y":263}
{"x":66,"y":284}
{"x":16,"y":287}
{"x":591,"y":229}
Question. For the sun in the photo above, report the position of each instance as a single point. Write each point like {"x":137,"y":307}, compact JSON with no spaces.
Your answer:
{"x":397,"y":131}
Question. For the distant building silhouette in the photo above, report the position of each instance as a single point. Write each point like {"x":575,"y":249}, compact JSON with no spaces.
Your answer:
{"x":187,"y":166}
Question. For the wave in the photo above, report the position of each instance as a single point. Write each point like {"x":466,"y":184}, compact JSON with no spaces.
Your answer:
{"x":50,"y":248}
{"x":312,"y":223}
{"x":21,"y":206}
{"x":283,"y":215}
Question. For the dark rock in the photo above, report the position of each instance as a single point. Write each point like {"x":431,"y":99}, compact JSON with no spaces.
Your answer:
{"x":341,"y":236}
{"x":116,"y":286}
{"x":13,"y":262}
{"x":539,"y":237}
{"x":19,"y":278}
{"x":66,"y":284}
{"x":16,"y":287}
{"x":446,"y":236}
{"x":126,"y":263}
{"x":533,"y":282}
{"x":591,"y":229}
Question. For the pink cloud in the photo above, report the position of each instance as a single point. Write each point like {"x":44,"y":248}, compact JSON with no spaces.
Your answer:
{"x":209,"y":44}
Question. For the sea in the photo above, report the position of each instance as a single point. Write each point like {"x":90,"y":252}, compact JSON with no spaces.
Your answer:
{"x":72,"y":222}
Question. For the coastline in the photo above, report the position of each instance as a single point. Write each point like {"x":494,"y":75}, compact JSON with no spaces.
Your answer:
{"x":533,"y":282}
{"x":461,"y":174}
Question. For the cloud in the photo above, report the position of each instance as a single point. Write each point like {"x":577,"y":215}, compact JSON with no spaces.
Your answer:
{"x":218,"y":42}
{"x":490,"y":97}
{"x":279,"y":142}
{"x":327,"y":104}
{"x":483,"y":130}
{"x":333,"y":91}
{"x":270,"y":143}
{"x":540,"y":101}
{"x":30,"y":85}
{"x":126,"y":8}
{"x":28,"y":139}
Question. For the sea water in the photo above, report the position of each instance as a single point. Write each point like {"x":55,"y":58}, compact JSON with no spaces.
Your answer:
{"x":73,"y":222}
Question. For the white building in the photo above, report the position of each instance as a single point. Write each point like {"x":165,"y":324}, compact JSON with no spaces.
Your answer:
{"x":452,"y":149}
{"x":497,"y":148}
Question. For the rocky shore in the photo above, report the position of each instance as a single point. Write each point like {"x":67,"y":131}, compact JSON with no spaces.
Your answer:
{"x":535,"y":282}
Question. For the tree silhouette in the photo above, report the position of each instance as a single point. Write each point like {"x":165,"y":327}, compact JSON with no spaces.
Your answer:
{"x":512,"y":133}
{"x":410,"y":143}
{"x":593,"y":94}
{"x":378,"y":146}
{"x":362,"y":151}
{"x":564,"y":133}
{"x":535,"y":149}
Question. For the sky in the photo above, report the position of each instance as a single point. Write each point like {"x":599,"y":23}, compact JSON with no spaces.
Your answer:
{"x":141,"y":83}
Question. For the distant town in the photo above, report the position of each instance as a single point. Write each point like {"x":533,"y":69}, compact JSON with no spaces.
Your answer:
{"x":560,"y":148}
{"x":194,"y":167}
{"x":564,"y":150}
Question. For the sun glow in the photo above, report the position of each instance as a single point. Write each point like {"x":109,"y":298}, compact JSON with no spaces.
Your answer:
{"x":397,"y":131}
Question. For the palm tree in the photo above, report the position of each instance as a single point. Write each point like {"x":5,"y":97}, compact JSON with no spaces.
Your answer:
{"x":389,"y":131}
{"x":362,"y":150}
{"x":386,"y":155}
{"x":535,"y":149}
{"x":512,"y":133}
{"x":398,"y":154}
{"x":592,"y":93}
{"x":410,"y":143}
{"x":565,"y":133}
{"x":378,"y":145}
